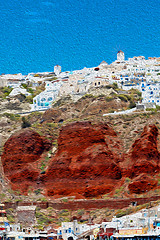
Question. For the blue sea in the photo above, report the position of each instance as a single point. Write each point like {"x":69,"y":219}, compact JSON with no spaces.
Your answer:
{"x":35,"y":35}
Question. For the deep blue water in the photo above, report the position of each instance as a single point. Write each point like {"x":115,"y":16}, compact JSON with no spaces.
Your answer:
{"x":35,"y":35}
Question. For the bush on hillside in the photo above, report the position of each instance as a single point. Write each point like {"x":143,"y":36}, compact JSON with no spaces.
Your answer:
{"x":25,"y":123}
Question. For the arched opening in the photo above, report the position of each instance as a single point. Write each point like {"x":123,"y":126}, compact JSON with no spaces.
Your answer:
{"x":61,"y":121}
{"x":70,"y":238}
{"x":96,"y":69}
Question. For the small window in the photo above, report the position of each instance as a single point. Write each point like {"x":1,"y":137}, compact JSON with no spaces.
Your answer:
{"x":50,"y":99}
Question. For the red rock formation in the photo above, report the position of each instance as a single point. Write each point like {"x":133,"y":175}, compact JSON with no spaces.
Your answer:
{"x":142,"y":184}
{"x":85,"y":161}
{"x":144,"y":154}
{"x":20,"y":152}
{"x":88,"y":161}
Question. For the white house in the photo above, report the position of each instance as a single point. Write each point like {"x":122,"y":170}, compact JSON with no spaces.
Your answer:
{"x":151,"y":93}
{"x":19,"y":90}
{"x":71,"y":230}
{"x":46,"y":98}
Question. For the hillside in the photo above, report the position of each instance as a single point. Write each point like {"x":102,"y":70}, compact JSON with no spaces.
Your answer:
{"x":112,"y":158}
{"x":110,"y":153}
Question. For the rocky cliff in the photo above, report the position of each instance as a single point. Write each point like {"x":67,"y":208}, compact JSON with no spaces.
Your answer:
{"x":20,"y":158}
{"x":85,"y":160}
{"x":89,"y":161}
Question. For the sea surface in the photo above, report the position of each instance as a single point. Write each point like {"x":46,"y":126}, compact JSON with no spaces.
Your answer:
{"x":35,"y":35}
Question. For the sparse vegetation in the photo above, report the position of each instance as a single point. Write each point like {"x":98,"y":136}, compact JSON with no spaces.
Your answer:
{"x":38,"y":191}
{"x":11,"y":116}
{"x":5,"y":91}
{"x":127,"y":180}
{"x":122,"y":212}
{"x":10,"y":215}
{"x":25,"y":123}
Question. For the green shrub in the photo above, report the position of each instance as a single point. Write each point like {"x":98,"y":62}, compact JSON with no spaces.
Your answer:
{"x":10,"y":215}
{"x":123,"y":97}
{"x":80,"y":212}
{"x":24,"y":85}
{"x":108,"y":86}
{"x":117,"y":191}
{"x":43,"y":199}
{"x":115,"y":86}
{"x":127,"y":180}
{"x":64,"y":212}
{"x":108,"y":99}
{"x":132,"y":105}
{"x":12,"y":116}
{"x":65,"y":200}
{"x":5,"y":91}
{"x":88,"y":96}
{"x":29,"y":99}
{"x":37,"y":191}
{"x":42,"y":218}
{"x":25,"y":123}
{"x":122,"y":212}
{"x":52,"y":125}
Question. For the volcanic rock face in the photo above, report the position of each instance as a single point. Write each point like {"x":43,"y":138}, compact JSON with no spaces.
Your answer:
{"x":84,"y":160}
{"x":20,"y":152}
{"x":141,"y":184}
{"x":88,"y":162}
{"x":144,"y":154}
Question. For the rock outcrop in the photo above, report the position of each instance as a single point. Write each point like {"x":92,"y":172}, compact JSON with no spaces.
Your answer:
{"x":144,"y":155}
{"x":142,"y":184}
{"x":85,"y":161}
{"x":89,"y":161}
{"x":20,"y":154}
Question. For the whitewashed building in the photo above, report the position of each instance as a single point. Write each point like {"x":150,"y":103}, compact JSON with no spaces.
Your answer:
{"x":151,"y":93}
{"x":19,"y":90}
{"x":46,"y":98}
{"x":71,"y":230}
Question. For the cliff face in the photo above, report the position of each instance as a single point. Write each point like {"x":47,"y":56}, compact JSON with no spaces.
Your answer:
{"x":19,"y":157}
{"x":144,"y":153}
{"x":89,"y":161}
{"x":85,"y":161}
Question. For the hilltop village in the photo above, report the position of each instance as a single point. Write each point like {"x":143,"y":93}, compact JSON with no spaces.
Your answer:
{"x":135,"y":73}
{"x":40,"y":159}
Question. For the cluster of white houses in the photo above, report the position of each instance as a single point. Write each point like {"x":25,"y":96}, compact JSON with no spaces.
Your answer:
{"x":137,"y":72}
{"x":144,"y":224}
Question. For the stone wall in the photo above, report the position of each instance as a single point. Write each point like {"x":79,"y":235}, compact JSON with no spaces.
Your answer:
{"x":86,"y":204}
